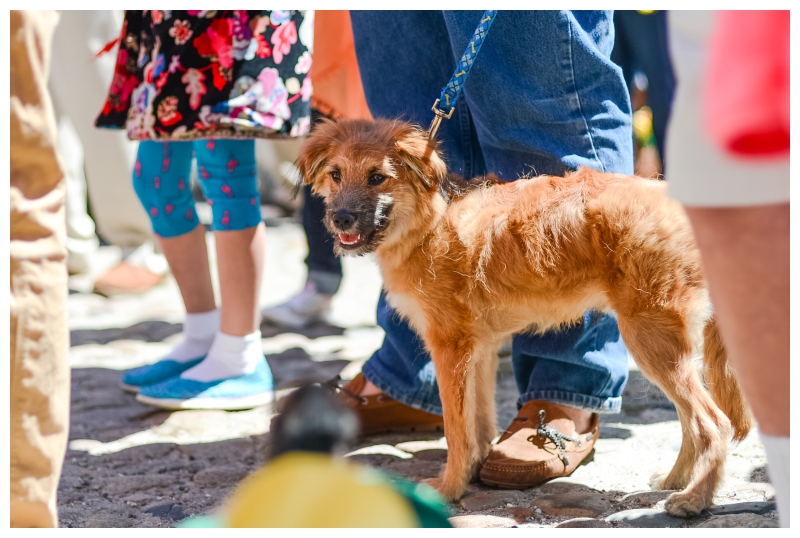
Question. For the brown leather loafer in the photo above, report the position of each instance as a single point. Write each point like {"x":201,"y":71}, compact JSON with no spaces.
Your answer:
{"x":541,"y":443}
{"x":382,"y":414}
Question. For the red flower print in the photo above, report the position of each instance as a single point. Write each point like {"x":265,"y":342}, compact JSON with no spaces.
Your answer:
{"x":181,"y":184}
{"x":157,"y":182}
{"x":203,"y":173}
{"x":210,"y":145}
{"x":137,"y":169}
{"x":189,"y":214}
{"x":227,"y":190}
{"x":157,"y":16}
{"x":232,"y":164}
{"x":180,"y":31}
{"x":219,"y":79}
{"x":169,"y":209}
{"x":165,"y":165}
{"x":283,"y":38}
{"x":167,"y":112}
{"x":161,"y":80}
{"x":263,"y":50}
{"x":252,"y":201}
{"x":154,"y":212}
{"x":226,"y":219}
{"x":216,"y":41}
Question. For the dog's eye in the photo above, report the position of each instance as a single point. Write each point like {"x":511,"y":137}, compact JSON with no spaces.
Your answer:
{"x":376,"y":179}
{"x":336,"y":176}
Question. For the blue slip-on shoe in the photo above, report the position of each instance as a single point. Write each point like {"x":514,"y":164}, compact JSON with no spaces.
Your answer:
{"x":149,"y":374}
{"x":229,"y":394}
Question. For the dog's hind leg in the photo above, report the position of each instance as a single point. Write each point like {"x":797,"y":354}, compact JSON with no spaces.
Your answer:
{"x":660,"y":343}
{"x":455,"y":372}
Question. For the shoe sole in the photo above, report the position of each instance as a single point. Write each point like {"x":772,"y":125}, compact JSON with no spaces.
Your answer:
{"x":131,"y":389}
{"x":225,"y":404}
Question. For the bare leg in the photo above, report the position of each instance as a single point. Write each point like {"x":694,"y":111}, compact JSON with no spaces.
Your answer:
{"x":188,"y":260}
{"x":240,"y":256}
{"x":745,"y":253}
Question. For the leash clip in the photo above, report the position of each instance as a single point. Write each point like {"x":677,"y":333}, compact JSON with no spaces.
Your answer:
{"x":437,"y":121}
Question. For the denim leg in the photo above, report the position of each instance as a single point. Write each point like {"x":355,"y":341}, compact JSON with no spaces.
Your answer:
{"x":641,"y":44}
{"x":584,"y":366}
{"x":401,"y":367}
{"x":324,"y":268}
{"x":547,"y":99}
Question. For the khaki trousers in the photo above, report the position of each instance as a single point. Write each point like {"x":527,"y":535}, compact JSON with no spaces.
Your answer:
{"x":39,"y":383}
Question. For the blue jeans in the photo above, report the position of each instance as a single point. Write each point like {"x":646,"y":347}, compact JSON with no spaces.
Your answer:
{"x":542,"y":98}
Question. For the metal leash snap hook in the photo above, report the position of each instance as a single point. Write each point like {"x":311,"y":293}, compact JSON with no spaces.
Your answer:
{"x":437,"y":120}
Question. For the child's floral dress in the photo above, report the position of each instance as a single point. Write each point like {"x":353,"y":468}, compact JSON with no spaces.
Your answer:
{"x":212,"y":74}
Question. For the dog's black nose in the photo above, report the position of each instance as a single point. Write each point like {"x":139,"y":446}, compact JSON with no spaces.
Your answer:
{"x":343,"y":220}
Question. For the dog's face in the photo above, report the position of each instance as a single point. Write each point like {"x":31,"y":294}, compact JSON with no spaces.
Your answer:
{"x":376,"y":178}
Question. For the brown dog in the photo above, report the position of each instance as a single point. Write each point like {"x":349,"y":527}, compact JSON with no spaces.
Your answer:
{"x":532,"y":255}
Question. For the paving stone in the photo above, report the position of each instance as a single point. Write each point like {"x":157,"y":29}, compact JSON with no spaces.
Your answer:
{"x":117,"y":486}
{"x":171,"y":511}
{"x":573,"y":503}
{"x":481,"y":500}
{"x":741,"y":508}
{"x":646,"y":518}
{"x":583,"y":523}
{"x":646,"y":498}
{"x":562,"y":487}
{"x":481,"y":521}
{"x":765,"y":489}
{"x":746,"y":521}
{"x":219,"y":476}
{"x":519,"y":513}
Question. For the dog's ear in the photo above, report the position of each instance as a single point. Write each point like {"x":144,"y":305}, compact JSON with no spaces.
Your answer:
{"x":314,"y":153}
{"x":425,"y":162}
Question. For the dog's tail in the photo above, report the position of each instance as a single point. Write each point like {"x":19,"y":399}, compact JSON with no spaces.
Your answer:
{"x":722,"y":383}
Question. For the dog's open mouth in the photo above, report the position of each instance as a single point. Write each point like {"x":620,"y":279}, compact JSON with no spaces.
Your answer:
{"x":349,"y":241}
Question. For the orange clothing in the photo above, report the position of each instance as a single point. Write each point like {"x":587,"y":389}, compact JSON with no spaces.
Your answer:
{"x":337,"y":81}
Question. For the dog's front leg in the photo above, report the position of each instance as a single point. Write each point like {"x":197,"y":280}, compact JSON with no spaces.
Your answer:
{"x":455,"y":373}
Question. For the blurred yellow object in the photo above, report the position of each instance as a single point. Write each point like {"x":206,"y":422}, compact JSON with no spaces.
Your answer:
{"x":646,"y":11}
{"x":304,"y":489}
{"x":643,"y":124}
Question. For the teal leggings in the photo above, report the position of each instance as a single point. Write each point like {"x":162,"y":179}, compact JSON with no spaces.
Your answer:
{"x":227,"y":172}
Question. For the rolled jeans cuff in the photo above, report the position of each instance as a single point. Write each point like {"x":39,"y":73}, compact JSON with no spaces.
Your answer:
{"x":572,"y":399}
{"x":425,"y":396}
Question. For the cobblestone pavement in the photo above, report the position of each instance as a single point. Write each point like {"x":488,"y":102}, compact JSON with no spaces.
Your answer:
{"x":130,"y":465}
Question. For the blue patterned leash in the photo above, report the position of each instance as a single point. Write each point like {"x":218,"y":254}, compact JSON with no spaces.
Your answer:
{"x":453,"y":89}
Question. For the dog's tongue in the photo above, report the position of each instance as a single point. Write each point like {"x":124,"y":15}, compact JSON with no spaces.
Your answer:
{"x":349,"y":239}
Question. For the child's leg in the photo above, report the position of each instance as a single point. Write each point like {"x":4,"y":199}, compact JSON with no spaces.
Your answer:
{"x":161,"y":180}
{"x":227,"y":174}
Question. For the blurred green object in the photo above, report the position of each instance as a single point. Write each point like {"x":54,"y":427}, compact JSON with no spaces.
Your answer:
{"x":306,"y":489}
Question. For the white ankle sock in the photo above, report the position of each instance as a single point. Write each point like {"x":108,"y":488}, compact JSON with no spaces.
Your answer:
{"x":777,"y":449}
{"x":229,"y":356}
{"x":198,"y":335}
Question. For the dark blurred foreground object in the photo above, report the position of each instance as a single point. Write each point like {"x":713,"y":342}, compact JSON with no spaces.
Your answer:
{"x":306,"y":482}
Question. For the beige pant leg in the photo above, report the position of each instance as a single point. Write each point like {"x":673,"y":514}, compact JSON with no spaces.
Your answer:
{"x":39,"y":382}
{"x":79,"y":83}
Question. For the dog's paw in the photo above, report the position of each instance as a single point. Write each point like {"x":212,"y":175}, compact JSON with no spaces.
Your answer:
{"x":686,"y":504}
{"x":447,"y":491}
